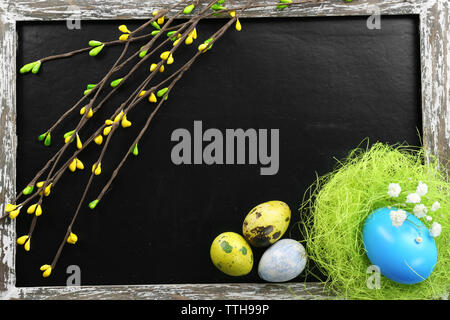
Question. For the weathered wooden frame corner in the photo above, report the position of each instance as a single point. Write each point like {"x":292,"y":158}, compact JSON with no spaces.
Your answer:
{"x":435,"y":77}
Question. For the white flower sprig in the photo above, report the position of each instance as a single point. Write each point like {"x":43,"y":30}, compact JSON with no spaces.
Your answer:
{"x":436,"y":229}
{"x":435,"y":206}
{"x":394,"y":190}
{"x":420,"y":210}
{"x":421,"y":189}
{"x":398,"y":217}
{"x":413,"y":198}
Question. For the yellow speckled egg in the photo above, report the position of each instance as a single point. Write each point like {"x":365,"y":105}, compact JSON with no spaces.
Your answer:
{"x":266,"y":223}
{"x":231,"y":254}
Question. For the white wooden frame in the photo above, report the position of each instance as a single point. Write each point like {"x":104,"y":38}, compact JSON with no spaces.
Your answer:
{"x":434,"y":18}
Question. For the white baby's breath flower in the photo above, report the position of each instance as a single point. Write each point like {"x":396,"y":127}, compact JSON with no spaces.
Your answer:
{"x":394,"y":190}
{"x":413,"y":198}
{"x":422,"y":189}
{"x":397,"y":217}
{"x":435,"y":229}
{"x":435,"y":206}
{"x":420,"y":210}
{"x":428,"y":218}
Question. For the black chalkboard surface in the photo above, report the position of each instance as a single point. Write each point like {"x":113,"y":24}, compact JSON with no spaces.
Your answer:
{"x":325,"y":83}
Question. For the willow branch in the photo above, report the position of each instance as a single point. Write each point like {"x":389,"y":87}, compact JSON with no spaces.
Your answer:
{"x":177,"y":76}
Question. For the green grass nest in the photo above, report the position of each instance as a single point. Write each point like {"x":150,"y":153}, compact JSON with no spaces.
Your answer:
{"x":335,"y":207}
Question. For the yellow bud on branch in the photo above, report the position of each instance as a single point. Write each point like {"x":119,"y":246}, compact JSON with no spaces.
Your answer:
{"x":125,"y":122}
{"x":79,"y":144}
{"x":13,"y":214}
{"x":40,"y":184}
{"x":165,"y":55}
{"x":31,"y":209}
{"x":123,"y":28}
{"x":238,"y":25}
{"x":27,"y":245}
{"x":73,"y":165}
{"x":47,"y":190}
{"x":21,"y":240}
{"x":124,"y":37}
{"x":96,"y":168}
{"x":152,"y":98}
{"x":38,"y":211}
{"x":47,"y":270}
{"x":98,"y":139}
{"x":10,"y":207}
{"x":118,"y":117}
{"x":107,"y":130}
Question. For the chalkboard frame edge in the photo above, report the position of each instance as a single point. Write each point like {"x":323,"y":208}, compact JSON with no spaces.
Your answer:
{"x":435,"y":84}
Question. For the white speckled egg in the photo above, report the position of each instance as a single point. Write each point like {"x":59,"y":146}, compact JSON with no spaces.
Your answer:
{"x":283,"y":261}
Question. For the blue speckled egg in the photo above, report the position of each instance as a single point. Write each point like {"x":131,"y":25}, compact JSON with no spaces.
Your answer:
{"x":406,"y":254}
{"x":283,"y":261}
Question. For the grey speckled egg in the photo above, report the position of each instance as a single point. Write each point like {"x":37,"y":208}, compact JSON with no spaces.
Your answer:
{"x":283,"y":261}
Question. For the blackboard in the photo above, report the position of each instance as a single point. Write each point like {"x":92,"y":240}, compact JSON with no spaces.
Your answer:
{"x":325,"y":83}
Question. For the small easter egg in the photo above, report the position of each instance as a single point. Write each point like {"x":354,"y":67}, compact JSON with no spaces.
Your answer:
{"x":283,"y":261}
{"x":406,"y":254}
{"x":266,"y":223}
{"x":231,"y":254}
